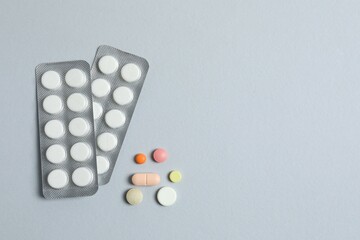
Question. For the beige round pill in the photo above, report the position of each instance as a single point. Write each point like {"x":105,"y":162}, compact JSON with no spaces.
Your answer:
{"x":134,"y":196}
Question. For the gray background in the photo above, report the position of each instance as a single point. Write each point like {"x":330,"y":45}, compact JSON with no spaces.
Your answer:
{"x":257,"y":102}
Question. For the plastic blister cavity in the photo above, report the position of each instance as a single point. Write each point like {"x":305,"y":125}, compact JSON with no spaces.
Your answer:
{"x":66,"y":129}
{"x":117,"y":80}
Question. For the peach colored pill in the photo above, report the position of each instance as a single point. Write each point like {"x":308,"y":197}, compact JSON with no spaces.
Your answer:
{"x":160,"y":155}
{"x":145,"y":179}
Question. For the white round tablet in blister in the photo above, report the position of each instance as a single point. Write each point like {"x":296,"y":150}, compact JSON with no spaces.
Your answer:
{"x":51,"y":80}
{"x":54,"y":129}
{"x":100,"y":87}
{"x":107,"y":141}
{"x":56,"y":154}
{"x":58,"y":178}
{"x":82,"y":176}
{"x":131,"y":72}
{"x":103,"y":164}
{"x":79,"y":127}
{"x":77,"y":102}
{"x":75,"y":78}
{"x":108,"y":64}
{"x":80,"y":151}
{"x":166,"y":196}
{"x":52,"y":104}
{"x":115,"y":118}
{"x":123,"y":95}
{"x":97,"y":110}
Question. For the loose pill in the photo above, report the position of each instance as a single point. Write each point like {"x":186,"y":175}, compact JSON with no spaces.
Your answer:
{"x":100,"y":87}
{"x":145,"y":179}
{"x":54,"y":129}
{"x":160,"y":155}
{"x":103,"y":164}
{"x":77,"y":102}
{"x":56,"y":154}
{"x":166,"y":196}
{"x":123,"y":95}
{"x":75,"y":78}
{"x":140,"y":158}
{"x":51,"y":80}
{"x":175,"y":176}
{"x":52,"y":104}
{"x":58,"y":178}
{"x":82,"y":177}
{"x":79,"y":127}
{"x":108,"y":64}
{"x":115,"y":118}
{"x":107,"y":141}
{"x":97,"y":110}
{"x":134,"y":196}
{"x":130,"y":72}
{"x":80,"y":151}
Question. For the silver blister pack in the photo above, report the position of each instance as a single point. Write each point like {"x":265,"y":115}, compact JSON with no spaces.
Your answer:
{"x":117,"y":80}
{"x":66,"y":129}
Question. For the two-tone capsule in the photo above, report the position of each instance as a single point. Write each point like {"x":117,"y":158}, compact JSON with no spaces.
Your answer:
{"x":145,"y":179}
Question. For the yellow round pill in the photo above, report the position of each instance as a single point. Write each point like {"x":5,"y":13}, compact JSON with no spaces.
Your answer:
{"x":175,"y":176}
{"x":134,"y":196}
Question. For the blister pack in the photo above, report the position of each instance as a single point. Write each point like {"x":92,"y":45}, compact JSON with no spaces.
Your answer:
{"x":66,"y":129}
{"x":117,"y":80}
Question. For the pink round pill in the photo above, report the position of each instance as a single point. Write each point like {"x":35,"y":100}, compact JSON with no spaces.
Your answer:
{"x":160,"y":155}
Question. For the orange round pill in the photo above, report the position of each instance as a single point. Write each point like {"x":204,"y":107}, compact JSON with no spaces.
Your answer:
{"x":140,"y":158}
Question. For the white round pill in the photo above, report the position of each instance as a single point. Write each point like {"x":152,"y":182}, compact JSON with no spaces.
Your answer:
{"x":131,"y":72}
{"x":107,"y":141}
{"x":97,"y":110}
{"x":51,"y":80}
{"x":108,"y":64}
{"x":52,"y":104}
{"x":80,"y":151}
{"x":79,"y":127}
{"x":82,"y":176}
{"x":77,"y":102}
{"x":103,"y":164}
{"x":100,"y":87}
{"x":54,"y":129}
{"x":75,"y":78}
{"x":58,"y":178}
{"x":56,"y":154}
{"x":123,"y":95}
{"x":166,"y":196}
{"x":115,"y":118}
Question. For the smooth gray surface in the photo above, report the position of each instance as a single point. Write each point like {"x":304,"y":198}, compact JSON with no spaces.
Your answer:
{"x":258,"y":103}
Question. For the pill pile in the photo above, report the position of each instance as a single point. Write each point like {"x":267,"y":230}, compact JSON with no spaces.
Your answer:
{"x":83,"y":116}
{"x":166,"y":196}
